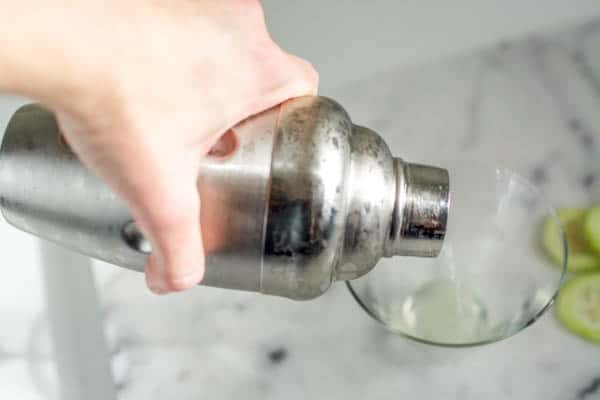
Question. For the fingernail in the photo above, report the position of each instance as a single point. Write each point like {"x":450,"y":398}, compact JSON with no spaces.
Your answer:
{"x":155,"y":285}
{"x":157,"y":290}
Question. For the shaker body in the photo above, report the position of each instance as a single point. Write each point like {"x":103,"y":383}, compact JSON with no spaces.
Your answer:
{"x":45,"y":190}
{"x":298,"y":198}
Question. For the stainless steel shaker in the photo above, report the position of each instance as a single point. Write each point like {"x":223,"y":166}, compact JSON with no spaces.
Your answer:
{"x":293,"y":199}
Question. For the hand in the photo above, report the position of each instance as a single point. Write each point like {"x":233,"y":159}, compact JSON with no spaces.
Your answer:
{"x":144,"y":88}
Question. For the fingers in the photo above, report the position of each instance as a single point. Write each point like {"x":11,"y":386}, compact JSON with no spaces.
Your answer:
{"x":307,"y":77}
{"x":284,"y":76}
{"x":174,"y":223}
{"x":171,"y":211}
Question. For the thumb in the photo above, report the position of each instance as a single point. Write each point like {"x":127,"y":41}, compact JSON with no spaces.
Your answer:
{"x":169,"y":213}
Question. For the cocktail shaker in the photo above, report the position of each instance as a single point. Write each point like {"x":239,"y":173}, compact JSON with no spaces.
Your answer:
{"x":293,"y":199}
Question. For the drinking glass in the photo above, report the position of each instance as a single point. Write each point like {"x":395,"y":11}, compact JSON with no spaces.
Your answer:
{"x":490,"y":280}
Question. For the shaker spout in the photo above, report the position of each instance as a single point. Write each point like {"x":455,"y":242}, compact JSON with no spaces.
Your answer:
{"x":420,"y":214}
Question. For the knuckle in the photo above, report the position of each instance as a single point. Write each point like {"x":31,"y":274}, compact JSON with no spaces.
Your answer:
{"x":312,"y":73}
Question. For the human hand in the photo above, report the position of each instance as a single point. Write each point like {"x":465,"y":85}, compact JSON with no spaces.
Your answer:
{"x":143,"y":89}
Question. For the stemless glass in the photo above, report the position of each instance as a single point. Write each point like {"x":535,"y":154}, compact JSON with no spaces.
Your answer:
{"x":491,"y":278}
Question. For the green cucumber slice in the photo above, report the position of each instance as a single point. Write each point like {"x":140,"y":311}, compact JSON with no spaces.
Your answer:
{"x":591,"y":228}
{"x":578,"y":306}
{"x":581,"y":258}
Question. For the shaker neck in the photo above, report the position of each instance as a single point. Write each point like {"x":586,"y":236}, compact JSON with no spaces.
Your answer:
{"x":420,"y":212}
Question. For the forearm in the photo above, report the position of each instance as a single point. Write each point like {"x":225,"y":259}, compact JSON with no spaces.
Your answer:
{"x":38,"y":50}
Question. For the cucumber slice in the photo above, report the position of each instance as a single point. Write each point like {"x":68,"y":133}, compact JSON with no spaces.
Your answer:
{"x":578,"y":306}
{"x":581,"y":258}
{"x":591,"y":228}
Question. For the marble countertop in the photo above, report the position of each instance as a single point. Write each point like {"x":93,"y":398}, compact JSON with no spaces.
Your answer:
{"x":532,"y":104}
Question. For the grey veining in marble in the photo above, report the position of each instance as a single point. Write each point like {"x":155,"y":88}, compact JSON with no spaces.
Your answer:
{"x":532,"y":105}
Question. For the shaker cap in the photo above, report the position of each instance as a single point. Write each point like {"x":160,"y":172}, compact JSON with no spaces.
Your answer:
{"x":420,"y":212}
